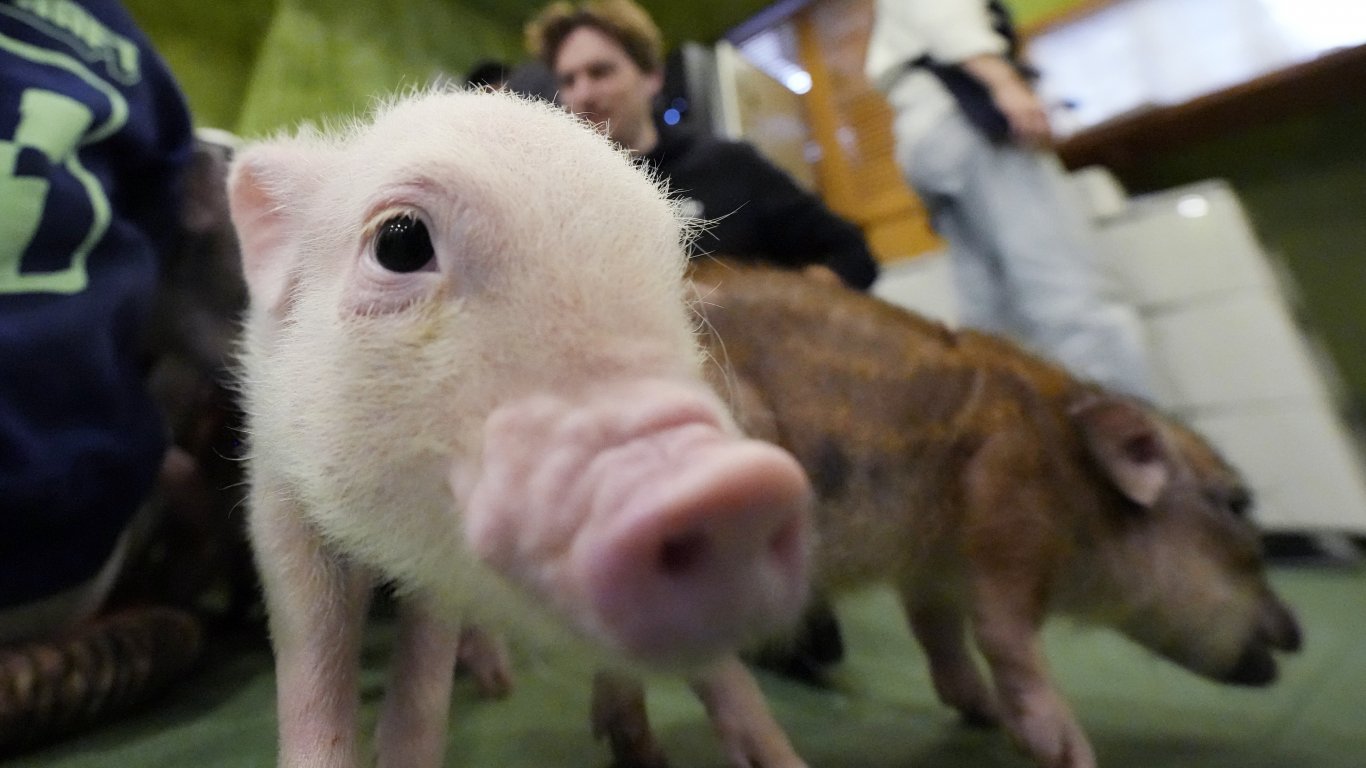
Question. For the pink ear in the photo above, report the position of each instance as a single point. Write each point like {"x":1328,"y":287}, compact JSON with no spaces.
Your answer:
{"x":1126,"y":444}
{"x":262,"y":186}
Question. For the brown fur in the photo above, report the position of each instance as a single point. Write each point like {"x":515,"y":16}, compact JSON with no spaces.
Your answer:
{"x":862,"y":392}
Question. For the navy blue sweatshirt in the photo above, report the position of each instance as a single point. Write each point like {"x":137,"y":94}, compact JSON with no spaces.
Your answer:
{"x":94,"y":134}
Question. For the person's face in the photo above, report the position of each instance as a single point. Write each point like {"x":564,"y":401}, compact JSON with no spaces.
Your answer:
{"x":597,"y":80}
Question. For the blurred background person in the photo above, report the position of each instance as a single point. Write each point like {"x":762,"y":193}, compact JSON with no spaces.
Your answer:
{"x":973,"y":140}
{"x":607,"y":60}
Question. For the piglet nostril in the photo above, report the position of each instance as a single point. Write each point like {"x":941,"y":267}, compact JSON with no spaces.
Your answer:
{"x":1254,"y":668}
{"x":1293,"y":638}
{"x":785,"y":543}
{"x":1278,"y":627}
{"x":679,"y":555}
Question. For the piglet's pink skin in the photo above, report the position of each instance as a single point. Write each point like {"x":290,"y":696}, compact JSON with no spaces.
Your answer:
{"x":470,"y":369}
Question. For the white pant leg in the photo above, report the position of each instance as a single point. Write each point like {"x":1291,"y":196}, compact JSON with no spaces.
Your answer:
{"x":935,"y":170}
{"x":1025,"y":255}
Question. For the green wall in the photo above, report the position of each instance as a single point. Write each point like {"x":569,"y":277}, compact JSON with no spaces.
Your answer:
{"x":326,"y":57}
{"x":211,"y":48}
{"x":255,"y":66}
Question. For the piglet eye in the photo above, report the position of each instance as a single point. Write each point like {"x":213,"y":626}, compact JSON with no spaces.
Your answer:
{"x":403,"y":245}
{"x":1240,"y":502}
{"x":1237,"y":501}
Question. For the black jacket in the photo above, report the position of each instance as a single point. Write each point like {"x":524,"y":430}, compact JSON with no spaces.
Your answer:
{"x":755,"y":211}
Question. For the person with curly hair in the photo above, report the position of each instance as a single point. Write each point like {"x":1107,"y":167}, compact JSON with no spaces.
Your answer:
{"x":607,"y":60}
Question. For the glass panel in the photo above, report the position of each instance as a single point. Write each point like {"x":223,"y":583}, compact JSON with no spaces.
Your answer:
{"x":1138,"y":54}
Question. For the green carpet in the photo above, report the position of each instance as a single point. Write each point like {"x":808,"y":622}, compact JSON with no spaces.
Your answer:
{"x":881,"y":712}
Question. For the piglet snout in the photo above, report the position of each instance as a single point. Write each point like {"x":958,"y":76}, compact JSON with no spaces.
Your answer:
{"x":709,"y":557}
{"x":642,"y":514}
{"x":1276,"y":629}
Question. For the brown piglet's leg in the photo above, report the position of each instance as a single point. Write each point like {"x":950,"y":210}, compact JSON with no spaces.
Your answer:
{"x":941,"y":628}
{"x":1032,"y":710}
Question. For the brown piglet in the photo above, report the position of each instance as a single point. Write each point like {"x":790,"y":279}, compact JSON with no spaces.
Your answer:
{"x":991,"y":490}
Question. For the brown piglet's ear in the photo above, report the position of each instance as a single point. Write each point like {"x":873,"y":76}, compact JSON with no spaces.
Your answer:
{"x":1126,"y":444}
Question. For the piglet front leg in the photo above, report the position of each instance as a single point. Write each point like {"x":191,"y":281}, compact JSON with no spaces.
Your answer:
{"x":412,"y":724}
{"x":741,"y":717}
{"x":736,"y":707}
{"x":941,"y":628}
{"x":317,"y":605}
{"x":1031,"y":708}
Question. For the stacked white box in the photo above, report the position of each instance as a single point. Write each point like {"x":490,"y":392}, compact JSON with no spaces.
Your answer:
{"x":922,"y":284}
{"x":1230,"y":358}
{"x":1241,"y":347}
{"x":1184,"y":245}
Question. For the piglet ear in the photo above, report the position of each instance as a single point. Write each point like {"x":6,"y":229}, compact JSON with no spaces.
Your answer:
{"x":1126,"y":444}
{"x":263,"y":185}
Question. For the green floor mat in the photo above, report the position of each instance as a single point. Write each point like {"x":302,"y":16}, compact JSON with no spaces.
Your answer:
{"x":1140,"y":712}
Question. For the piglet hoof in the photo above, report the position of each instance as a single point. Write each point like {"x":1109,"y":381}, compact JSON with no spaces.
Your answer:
{"x":485,"y":658}
{"x":976,"y":710}
{"x":975,"y":705}
{"x":1056,"y":745}
{"x":979,"y":718}
{"x":1074,"y":756}
{"x":619,"y":716}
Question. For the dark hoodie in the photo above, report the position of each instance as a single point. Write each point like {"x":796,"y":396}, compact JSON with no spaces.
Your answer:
{"x":97,"y":133}
{"x":756,"y":212}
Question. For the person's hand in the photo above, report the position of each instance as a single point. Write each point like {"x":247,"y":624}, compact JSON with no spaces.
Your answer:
{"x":1014,"y":97}
{"x":1024,"y":111}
